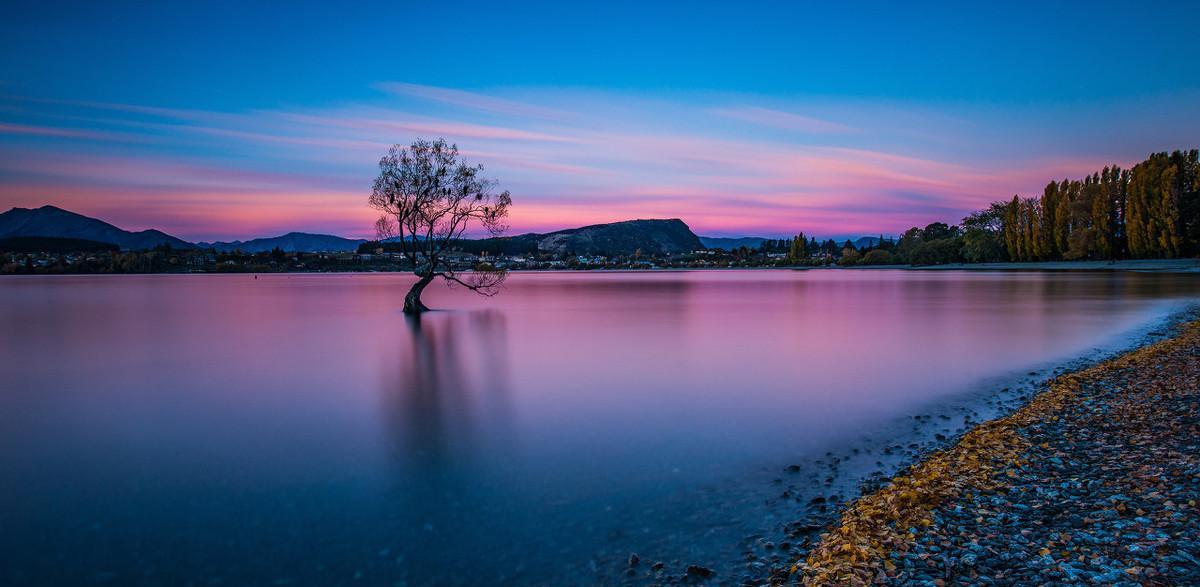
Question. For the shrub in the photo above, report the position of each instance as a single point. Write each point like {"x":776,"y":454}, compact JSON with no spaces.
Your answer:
{"x":876,"y":257}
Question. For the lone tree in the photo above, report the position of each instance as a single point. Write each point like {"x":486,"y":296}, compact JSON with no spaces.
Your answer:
{"x":428,"y":197}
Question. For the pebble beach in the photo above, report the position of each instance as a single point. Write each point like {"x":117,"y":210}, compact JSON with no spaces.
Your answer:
{"x":1095,"y":481}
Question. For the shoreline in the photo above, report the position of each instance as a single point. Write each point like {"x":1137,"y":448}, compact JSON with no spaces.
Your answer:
{"x":1154,"y":265}
{"x":802,"y":497}
{"x":891,"y":534}
{"x":1131,"y":265}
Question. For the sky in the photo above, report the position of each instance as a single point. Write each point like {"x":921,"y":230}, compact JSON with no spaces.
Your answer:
{"x":238,"y":120}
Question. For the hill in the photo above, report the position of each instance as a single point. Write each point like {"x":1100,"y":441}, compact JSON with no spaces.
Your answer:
{"x":866,"y":242}
{"x":291,"y":242}
{"x":50,"y":221}
{"x":652,"y":237}
{"x":50,"y":244}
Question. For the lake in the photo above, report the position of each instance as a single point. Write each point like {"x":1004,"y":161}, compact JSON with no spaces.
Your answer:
{"x":298,"y":429}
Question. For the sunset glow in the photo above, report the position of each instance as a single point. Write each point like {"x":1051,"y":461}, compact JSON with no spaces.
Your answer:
{"x":838,"y":159}
{"x":545,"y":292}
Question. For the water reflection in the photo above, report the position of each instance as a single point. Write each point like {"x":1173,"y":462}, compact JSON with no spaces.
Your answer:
{"x":445,"y":397}
{"x":446,"y":371}
{"x":170,"y":424}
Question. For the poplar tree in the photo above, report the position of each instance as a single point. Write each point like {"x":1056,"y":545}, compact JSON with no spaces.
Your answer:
{"x":1050,"y":246}
{"x":1067,"y":192}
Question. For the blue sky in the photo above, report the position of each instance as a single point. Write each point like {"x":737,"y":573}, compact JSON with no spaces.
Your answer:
{"x":817,"y":107}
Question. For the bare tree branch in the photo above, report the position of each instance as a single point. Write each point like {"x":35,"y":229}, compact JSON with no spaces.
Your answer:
{"x":429,"y":197}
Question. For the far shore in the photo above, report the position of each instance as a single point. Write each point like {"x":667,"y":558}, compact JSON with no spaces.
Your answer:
{"x":1163,"y":265}
{"x":1148,"y":265}
{"x":1134,"y":265}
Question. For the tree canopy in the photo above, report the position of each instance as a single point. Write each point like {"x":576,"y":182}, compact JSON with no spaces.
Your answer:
{"x":428,"y":197}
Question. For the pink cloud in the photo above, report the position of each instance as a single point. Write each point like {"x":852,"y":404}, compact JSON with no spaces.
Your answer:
{"x":782,"y":120}
{"x":604,"y":157}
{"x":60,"y":132}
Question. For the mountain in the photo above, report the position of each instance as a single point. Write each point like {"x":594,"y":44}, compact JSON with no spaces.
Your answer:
{"x":291,"y":242}
{"x":49,"y":221}
{"x":653,"y":237}
{"x":50,"y":244}
{"x":866,"y":241}
{"x":731,"y":243}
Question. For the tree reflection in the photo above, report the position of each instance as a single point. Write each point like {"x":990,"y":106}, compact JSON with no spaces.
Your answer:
{"x":446,"y":402}
{"x":446,"y":387}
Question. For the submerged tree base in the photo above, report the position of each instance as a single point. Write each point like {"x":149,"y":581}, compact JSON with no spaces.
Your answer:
{"x":414,"y":307}
{"x":412,"y":300}
{"x":1096,"y":480}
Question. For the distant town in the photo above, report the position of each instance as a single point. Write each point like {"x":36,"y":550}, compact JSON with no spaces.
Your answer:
{"x":372,"y":258}
{"x":51,"y":240}
{"x":1151,"y":211}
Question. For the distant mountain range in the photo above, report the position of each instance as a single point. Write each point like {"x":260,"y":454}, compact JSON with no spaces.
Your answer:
{"x":731,"y":243}
{"x":652,"y":237}
{"x":866,"y":241}
{"x":49,"y":221}
{"x":54,"y":222}
{"x":291,"y":242}
{"x":751,"y":242}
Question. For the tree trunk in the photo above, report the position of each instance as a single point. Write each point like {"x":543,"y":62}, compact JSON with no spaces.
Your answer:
{"x":412,"y":301}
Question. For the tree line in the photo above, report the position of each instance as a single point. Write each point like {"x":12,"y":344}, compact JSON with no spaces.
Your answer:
{"x":1151,"y":211}
{"x":801,"y":247}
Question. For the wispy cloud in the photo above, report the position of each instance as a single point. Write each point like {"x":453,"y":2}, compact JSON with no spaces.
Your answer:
{"x":724,"y":164}
{"x":782,"y":120}
{"x":57,"y":132}
{"x":474,"y":101}
{"x":394,"y":122}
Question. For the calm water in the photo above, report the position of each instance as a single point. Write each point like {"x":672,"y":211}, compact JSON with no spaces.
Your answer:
{"x":300,"y":430}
